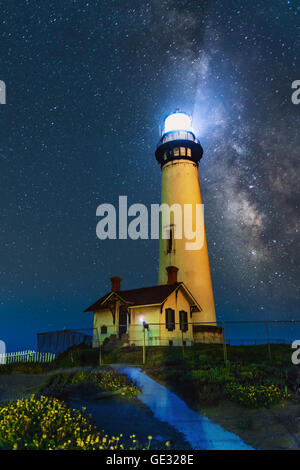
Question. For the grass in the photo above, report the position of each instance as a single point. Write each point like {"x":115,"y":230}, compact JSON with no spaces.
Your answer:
{"x":197,"y":371}
{"x":159,"y":356}
{"x":251,"y":385}
{"x":198,"y":374}
{"x":23,"y":368}
{"x":199,"y":354}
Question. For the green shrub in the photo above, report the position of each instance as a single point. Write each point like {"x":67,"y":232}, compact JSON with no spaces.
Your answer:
{"x":76,"y":356}
{"x":88,"y":384}
{"x":204,"y":359}
{"x":208,"y":394}
{"x":49,"y":424}
{"x":80,"y":377}
{"x":111,"y":380}
{"x":258,"y":374}
{"x":247,"y":384}
{"x":24,"y":368}
{"x":255,"y":396}
{"x":211,"y":375}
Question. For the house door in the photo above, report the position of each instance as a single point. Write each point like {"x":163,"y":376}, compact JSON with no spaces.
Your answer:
{"x":122,"y":320}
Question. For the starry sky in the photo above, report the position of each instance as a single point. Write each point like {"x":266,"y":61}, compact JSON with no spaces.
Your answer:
{"x":88,"y":85}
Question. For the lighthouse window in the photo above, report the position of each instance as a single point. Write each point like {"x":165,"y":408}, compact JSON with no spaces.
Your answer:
{"x":182,"y":151}
{"x":176,"y":152}
{"x":189,"y":152}
{"x":165,"y":156}
{"x":170,"y":241}
{"x":183,"y":320}
{"x":170,"y":319}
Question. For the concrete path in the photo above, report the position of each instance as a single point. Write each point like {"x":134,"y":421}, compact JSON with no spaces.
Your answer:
{"x":130,"y":416}
{"x":198,"y":431}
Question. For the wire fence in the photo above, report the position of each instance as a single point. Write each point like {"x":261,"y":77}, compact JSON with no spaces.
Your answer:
{"x":59,"y":341}
{"x":141,"y":343}
{"x":232,"y":341}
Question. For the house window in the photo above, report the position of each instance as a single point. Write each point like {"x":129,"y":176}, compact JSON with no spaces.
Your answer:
{"x":103,"y":330}
{"x":189,"y":152}
{"x":183,"y":320}
{"x":176,"y":152}
{"x":182,"y":151}
{"x":170,"y":319}
{"x":170,"y":241}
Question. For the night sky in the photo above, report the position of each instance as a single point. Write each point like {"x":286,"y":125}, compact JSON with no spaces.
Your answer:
{"x":88,"y":85}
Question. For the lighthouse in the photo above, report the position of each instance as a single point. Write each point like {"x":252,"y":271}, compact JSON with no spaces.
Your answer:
{"x":179,"y":152}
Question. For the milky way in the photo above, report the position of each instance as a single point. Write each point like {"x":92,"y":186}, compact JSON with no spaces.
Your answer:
{"x":88,"y":85}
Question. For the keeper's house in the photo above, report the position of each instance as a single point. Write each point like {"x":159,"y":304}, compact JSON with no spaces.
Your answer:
{"x":165,"y":314}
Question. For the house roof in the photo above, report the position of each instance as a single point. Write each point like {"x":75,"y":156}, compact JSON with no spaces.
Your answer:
{"x":154,"y":295}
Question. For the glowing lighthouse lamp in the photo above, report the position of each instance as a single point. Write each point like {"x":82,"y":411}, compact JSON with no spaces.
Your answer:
{"x":178,"y":122}
{"x":178,"y":140}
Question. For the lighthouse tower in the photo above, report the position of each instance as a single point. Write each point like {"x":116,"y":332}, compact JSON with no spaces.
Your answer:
{"x":179,"y":153}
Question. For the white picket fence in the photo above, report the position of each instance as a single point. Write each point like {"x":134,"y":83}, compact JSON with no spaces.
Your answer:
{"x":26,"y":356}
